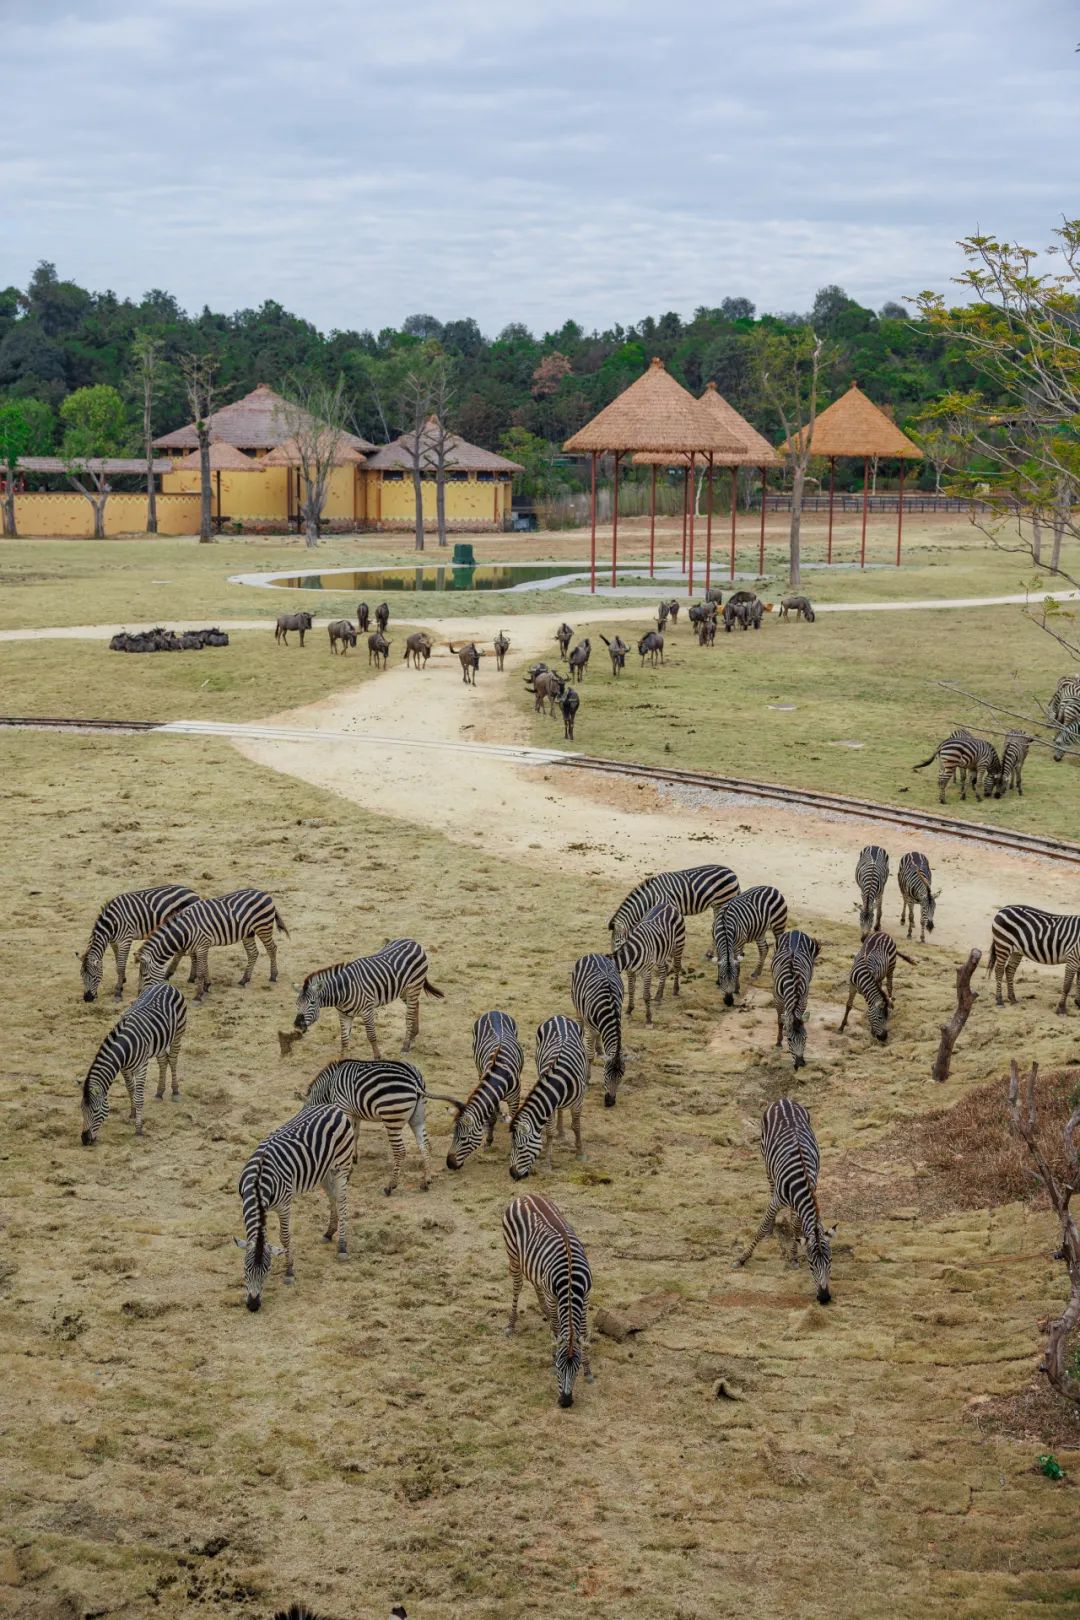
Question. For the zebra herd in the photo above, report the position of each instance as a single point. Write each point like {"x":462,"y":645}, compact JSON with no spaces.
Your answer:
{"x":962,"y":756}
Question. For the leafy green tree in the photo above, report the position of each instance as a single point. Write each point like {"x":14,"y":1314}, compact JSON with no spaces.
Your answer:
{"x":95,"y":426}
{"x":26,"y":429}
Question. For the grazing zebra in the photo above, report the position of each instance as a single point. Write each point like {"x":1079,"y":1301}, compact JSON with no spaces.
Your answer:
{"x":749,"y":916}
{"x":1065,"y":712}
{"x":501,"y":645}
{"x":871,"y":875}
{"x":316,"y":1147}
{"x":543,"y":1248}
{"x":617,"y":650}
{"x":380,"y":1092}
{"x":792,"y":1161}
{"x":562,"y":1076}
{"x":121,"y":921}
{"x":579,"y":659}
{"x":871,"y":977}
{"x":1013,"y":756}
{"x":963,"y":755}
{"x":654,"y":944}
{"x":398,"y":970}
{"x":914,"y":878}
{"x":596,"y":989}
{"x":691,"y":890}
{"x":1044,"y":936}
{"x":239,"y":918}
{"x":792,"y":969}
{"x":651,"y":646}
{"x":564,"y":636}
{"x":499,"y":1061}
{"x":152,"y":1027}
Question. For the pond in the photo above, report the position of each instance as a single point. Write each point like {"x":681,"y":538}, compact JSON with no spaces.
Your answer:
{"x":435,"y":577}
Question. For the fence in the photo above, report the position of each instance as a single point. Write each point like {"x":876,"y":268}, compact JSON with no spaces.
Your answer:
{"x":917,"y":502}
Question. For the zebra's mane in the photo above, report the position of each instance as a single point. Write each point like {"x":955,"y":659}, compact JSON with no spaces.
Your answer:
{"x":551,"y":1215}
{"x":317,"y":974}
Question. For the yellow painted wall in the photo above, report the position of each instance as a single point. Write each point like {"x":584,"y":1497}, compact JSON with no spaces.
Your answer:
{"x":243,"y":494}
{"x":468,"y":501}
{"x":62,"y":513}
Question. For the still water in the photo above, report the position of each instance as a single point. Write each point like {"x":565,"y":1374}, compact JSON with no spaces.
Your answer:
{"x":430,"y":577}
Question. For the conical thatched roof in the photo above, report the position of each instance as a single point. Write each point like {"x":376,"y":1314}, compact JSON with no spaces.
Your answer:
{"x":288,"y":454}
{"x":854,"y":426}
{"x":654,"y":414}
{"x":259,"y":421}
{"x":755,"y":450}
{"x":223,"y":458}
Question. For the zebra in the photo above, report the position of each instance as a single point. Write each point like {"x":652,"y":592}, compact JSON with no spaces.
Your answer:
{"x":871,"y":875}
{"x":1013,"y":755}
{"x":562,"y":1076}
{"x":596,"y":989}
{"x":792,"y":1161}
{"x":915,"y":879}
{"x":963,"y":755}
{"x":655,"y":944}
{"x":749,"y":916}
{"x":792,"y":969}
{"x":152,"y":1027}
{"x":499,"y":1061}
{"x":1044,"y":936}
{"x":380,"y":1092}
{"x":398,"y":970}
{"x":871,"y":977}
{"x":691,"y":890}
{"x":1065,"y":712}
{"x":543,"y":1248}
{"x":122,"y":920}
{"x":315,"y":1146}
{"x":241,"y":917}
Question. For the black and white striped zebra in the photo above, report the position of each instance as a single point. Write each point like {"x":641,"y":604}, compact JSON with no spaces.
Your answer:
{"x":871,"y":876}
{"x":1065,"y":713}
{"x":915,"y":880}
{"x":691,"y":891}
{"x":499,"y":1061}
{"x":1013,"y":755}
{"x":238,"y":918}
{"x":120,"y":922}
{"x":654,"y":944}
{"x":792,"y":969}
{"x":871,"y":977}
{"x":396,"y":972}
{"x":962,"y":755}
{"x":1044,"y":936}
{"x":562,"y":1077}
{"x":152,"y":1027}
{"x":792,"y":1162}
{"x":382,"y":1092}
{"x":596,"y":989}
{"x":750,"y":916}
{"x":315,"y":1148}
{"x":543,"y":1248}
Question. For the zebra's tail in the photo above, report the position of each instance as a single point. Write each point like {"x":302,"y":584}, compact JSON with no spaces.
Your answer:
{"x":279,"y":919}
{"x":430,"y":990}
{"x":926,"y":762}
{"x":910,"y":960}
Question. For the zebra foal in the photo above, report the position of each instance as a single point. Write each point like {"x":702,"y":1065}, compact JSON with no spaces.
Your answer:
{"x":499,"y":1061}
{"x":1044,"y":936}
{"x":562,"y":1076}
{"x":792,"y":1162}
{"x":691,"y":890}
{"x":596,"y":989}
{"x":378,"y":1092}
{"x":871,"y":977}
{"x":792,"y":969}
{"x":396,"y":972}
{"x":120,"y":922}
{"x":542,"y":1248}
{"x":915,"y":879}
{"x":242,"y":917}
{"x":315,"y":1148}
{"x":748,"y":917}
{"x":655,"y":944}
{"x":152,"y":1027}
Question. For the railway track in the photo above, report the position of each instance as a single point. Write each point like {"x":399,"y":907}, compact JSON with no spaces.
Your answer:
{"x":1007,"y":839}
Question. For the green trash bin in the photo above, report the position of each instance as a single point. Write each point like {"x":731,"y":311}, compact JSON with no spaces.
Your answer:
{"x":464,"y":556}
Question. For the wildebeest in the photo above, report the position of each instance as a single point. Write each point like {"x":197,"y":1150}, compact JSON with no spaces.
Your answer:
{"x":378,"y":647}
{"x":743,"y":609}
{"x":418,"y":648}
{"x":651,"y":646}
{"x":382,"y":616}
{"x":161,"y":640}
{"x":716,"y":596}
{"x":706,"y":631}
{"x":470,"y":657}
{"x":551,"y":685}
{"x":799,"y":605}
{"x":673,"y":612}
{"x":342,"y":630}
{"x":564,"y":636}
{"x":363,"y":617}
{"x":532,"y":672}
{"x":618,"y":650}
{"x":300,"y":622}
{"x":666,"y":610}
{"x":569,"y":706}
{"x":699,"y":612}
{"x":502,"y":646}
{"x":579,"y":659}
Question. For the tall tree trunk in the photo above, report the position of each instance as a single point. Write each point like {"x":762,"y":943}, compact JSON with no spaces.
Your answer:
{"x":151,"y":492}
{"x":1036,"y":537}
{"x":206,"y":515}
{"x":418,"y":497}
{"x":440,"y":504}
{"x":311,"y":510}
{"x":8,"y":504}
{"x":798,"y":482}
{"x":97,"y":502}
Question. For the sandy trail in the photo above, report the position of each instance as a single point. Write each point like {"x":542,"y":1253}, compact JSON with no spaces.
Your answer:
{"x":550,"y":819}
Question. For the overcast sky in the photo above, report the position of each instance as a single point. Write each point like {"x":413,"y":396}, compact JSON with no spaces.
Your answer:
{"x":528,"y":159}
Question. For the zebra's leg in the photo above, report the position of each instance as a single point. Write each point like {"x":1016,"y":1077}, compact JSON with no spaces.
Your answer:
{"x":516,"y":1280}
{"x":662,"y":982}
{"x":270,"y":947}
{"x":173,"y":1055}
{"x":251,"y":951}
{"x":330,"y":1189}
{"x":575,"y":1121}
{"x":648,"y":995}
{"x":284,"y":1216}
{"x":369,"y":1028}
{"x":877,"y":923}
{"x":847,"y":1009}
{"x":1070,"y":974}
{"x":129,"y":1082}
{"x":120,"y":949}
{"x":202,"y":972}
{"x":139,"y":1086}
{"x":1010,"y":974}
{"x":397,"y":1153}
{"x":590,"y":1045}
{"x":560,"y":1130}
{"x":418,"y":1126}
{"x":192,"y":960}
{"x":631,"y":982}
{"x":340,"y":1210}
{"x":767,"y":1224}
{"x":346,"y":1024}
{"x":762,"y":944}
{"x":412,"y":1016}
{"x":676,"y":964}
{"x":779,"y":1026}
{"x":888,"y":982}
{"x":162,"y":1065}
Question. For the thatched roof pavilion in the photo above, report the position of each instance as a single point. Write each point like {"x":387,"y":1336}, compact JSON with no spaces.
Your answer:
{"x":259,"y":421}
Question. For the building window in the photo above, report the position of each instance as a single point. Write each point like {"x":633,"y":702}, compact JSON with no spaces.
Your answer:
{"x":457,"y":477}
{"x":393,"y":477}
{"x":485,"y":478}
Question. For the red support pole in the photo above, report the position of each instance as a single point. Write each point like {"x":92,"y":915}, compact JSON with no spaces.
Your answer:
{"x":865,"y":507}
{"x":652,"y":526}
{"x":761,"y":536}
{"x":615,"y":521}
{"x":734,"y":513}
{"x":685,"y":500}
{"x":592,"y":514}
{"x":900,"y":513}
{"x":708,"y":530}
{"x":832,"y":492}
{"x":690,"y":528}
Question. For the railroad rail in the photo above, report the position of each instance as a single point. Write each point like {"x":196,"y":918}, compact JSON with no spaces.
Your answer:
{"x":1007,"y":839}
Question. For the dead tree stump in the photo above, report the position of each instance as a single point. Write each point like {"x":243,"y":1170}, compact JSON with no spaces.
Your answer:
{"x":966,"y":998}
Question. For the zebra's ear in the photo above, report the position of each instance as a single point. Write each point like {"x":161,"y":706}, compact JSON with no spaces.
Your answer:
{"x":935,"y":894}
{"x":275,"y":1248}
{"x":830,"y":1231}
{"x":241,"y":1243}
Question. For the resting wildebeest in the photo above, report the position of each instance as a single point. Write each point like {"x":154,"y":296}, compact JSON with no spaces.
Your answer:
{"x":564,"y":636}
{"x":579,"y":659}
{"x":378,"y":647}
{"x":470,"y":657}
{"x":550,"y":685}
{"x":569,"y":706}
{"x":382,"y":616}
{"x":799,"y":605}
{"x":342,"y":630}
{"x":292,"y":621}
{"x":618,"y":650}
{"x":502,"y":646}
{"x":363,"y":618}
{"x":650,"y":646}
{"x":418,"y":648}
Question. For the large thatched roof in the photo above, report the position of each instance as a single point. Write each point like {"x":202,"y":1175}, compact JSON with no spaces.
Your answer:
{"x":854,"y":426}
{"x":755,"y":450}
{"x":655,"y":414}
{"x":223,"y":458}
{"x":288,"y":454}
{"x":461,"y":456}
{"x":259,"y":421}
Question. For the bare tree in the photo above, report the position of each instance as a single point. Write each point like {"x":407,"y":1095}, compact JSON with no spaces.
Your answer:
{"x":1059,"y":1190}
{"x":415,"y":403}
{"x":966,"y":998}
{"x":147,"y":351}
{"x":790,"y":369}
{"x":314,"y":414}
{"x":440,"y":438}
{"x":198,"y":373}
